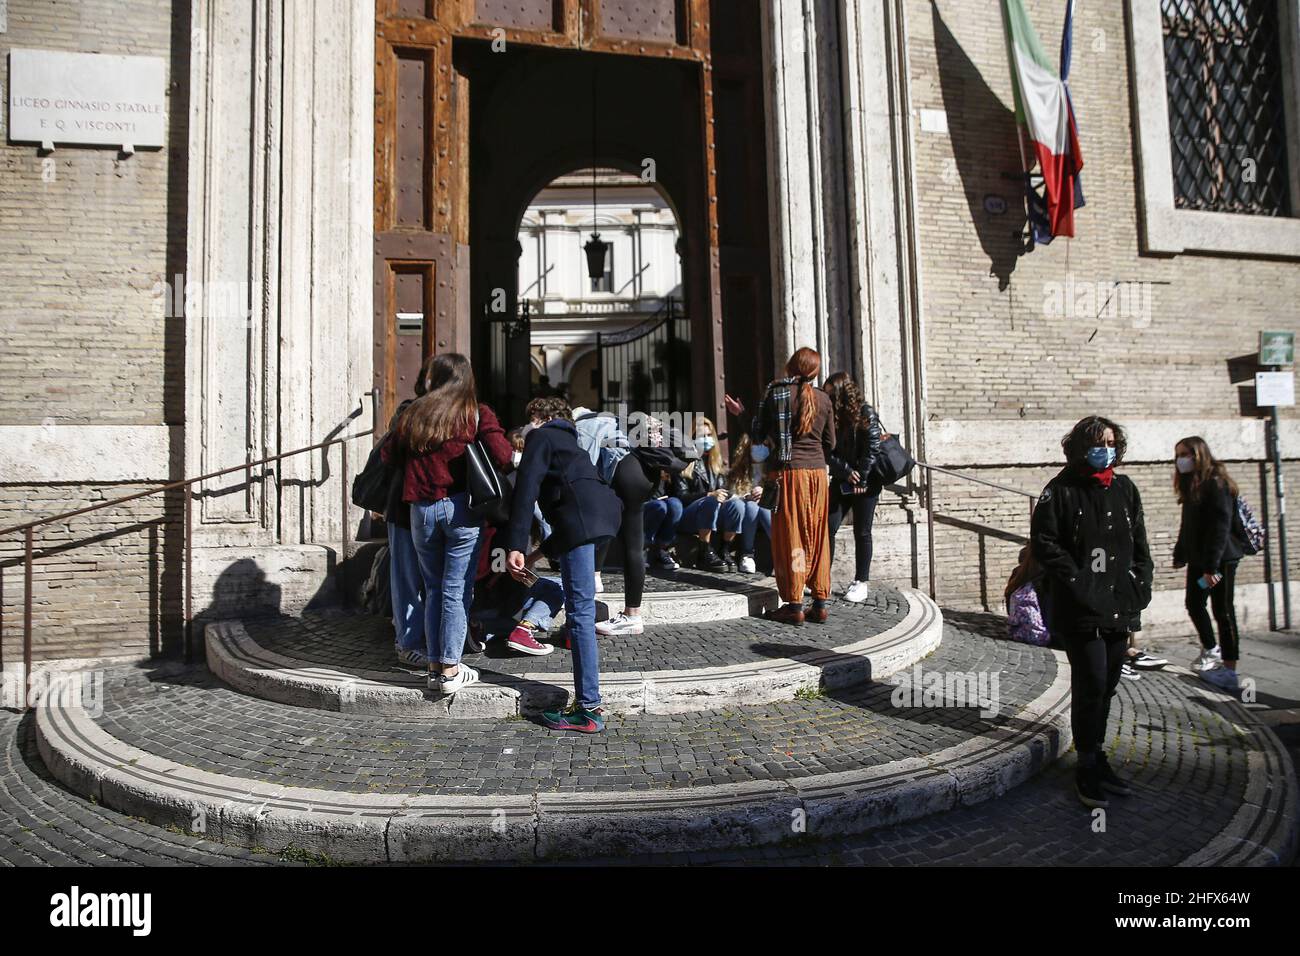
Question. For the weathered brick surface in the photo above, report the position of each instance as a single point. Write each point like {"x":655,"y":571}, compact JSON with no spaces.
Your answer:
{"x":86,"y":236}
{"x":84,"y":242}
{"x":104,"y":584}
{"x":993,"y":352}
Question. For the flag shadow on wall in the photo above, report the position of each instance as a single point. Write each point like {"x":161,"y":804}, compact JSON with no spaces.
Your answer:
{"x":986,"y":149}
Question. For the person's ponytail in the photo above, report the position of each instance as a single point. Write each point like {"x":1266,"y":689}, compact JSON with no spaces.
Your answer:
{"x":804,"y":365}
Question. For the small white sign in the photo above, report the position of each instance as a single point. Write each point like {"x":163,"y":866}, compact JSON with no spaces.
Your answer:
{"x":87,"y":99}
{"x":1274,"y":388}
{"x":934,"y":121}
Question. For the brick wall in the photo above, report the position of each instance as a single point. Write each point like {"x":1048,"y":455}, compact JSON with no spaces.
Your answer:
{"x":86,"y":236}
{"x":994,"y":348}
{"x":993,"y":352}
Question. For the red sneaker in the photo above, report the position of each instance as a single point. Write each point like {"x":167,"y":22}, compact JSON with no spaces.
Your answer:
{"x":521,"y":639}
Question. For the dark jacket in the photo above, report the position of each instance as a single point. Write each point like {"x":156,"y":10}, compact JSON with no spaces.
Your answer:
{"x":398,"y":511}
{"x":1091,"y":541}
{"x":700,"y":483}
{"x":1205,"y":534}
{"x":556,"y":473}
{"x":858,"y":451}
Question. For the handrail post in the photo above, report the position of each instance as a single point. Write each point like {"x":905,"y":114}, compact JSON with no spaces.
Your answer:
{"x":189,"y":574}
{"x":343,"y":591}
{"x":27,"y":619}
{"x":929,"y":521}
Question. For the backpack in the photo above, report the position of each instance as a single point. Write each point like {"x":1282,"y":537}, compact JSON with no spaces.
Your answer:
{"x":1250,"y":534}
{"x":604,"y":441}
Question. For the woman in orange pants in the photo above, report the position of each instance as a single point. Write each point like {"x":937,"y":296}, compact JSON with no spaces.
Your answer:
{"x":796,"y":420}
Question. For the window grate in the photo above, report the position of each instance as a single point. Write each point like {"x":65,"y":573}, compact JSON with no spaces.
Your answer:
{"x":1226,"y":119}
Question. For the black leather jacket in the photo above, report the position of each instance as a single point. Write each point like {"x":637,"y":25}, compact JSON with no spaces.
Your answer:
{"x":858,"y":451}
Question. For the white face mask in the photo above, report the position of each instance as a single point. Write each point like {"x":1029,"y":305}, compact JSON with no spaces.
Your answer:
{"x":1184,"y":464}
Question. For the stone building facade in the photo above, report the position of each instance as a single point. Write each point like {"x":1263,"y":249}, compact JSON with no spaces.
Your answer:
{"x":881,"y":219}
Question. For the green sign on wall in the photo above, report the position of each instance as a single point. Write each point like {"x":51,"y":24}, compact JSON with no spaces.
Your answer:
{"x":1276,"y":348}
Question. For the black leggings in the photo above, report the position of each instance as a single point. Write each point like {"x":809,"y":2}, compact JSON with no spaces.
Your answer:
{"x":1221,"y":601}
{"x":633,"y":489}
{"x":1096,"y":659}
{"x":864,"y":513}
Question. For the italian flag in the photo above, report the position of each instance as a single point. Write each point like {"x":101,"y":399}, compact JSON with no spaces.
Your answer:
{"x":1045,"y":114}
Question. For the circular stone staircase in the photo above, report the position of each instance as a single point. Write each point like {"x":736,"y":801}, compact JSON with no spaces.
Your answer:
{"x":303,"y":737}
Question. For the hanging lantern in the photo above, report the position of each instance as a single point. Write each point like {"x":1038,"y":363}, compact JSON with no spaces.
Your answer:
{"x":596,"y":248}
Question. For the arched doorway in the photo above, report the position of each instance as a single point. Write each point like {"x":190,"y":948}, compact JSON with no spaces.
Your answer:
{"x":617,"y":338}
{"x":481,"y":105}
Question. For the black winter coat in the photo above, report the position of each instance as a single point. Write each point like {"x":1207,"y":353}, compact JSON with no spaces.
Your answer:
{"x":1205,"y":534}
{"x":858,"y":451}
{"x":1092,"y":543}
{"x":556,"y":473}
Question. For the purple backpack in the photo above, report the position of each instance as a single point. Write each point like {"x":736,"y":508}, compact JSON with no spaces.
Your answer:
{"x":1025,"y":618}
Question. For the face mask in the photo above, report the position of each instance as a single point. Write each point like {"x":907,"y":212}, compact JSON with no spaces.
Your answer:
{"x":705,"y":443}
{"x":759,"y":453}
{"x":1101,"y":457}
{"x":516,"y":457}
{"x":1184,"y":464}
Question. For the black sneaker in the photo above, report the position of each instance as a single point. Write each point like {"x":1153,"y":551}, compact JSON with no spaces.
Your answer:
{"x":1109,"y":779}
{"x":709,"y":560}
{"x":1147,"y":662}
{"x":1087,"y":784}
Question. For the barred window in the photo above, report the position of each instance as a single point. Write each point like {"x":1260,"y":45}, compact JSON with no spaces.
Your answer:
{"x":1223,"y":75}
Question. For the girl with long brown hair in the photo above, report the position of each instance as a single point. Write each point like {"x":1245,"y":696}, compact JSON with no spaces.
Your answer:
{"x":429,"y":440}
{"x":1207,"y":546}
{"x":796,"y":420}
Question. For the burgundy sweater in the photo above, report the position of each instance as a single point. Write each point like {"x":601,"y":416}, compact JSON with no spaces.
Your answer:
{"x":440,"y":473}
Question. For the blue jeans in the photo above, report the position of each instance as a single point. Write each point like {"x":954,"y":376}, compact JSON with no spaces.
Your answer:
{"x":543,"y":603}
{"x":709,"y":514}
{"x":407,"y":587}
{"x":661,"y":518}
{"x":446,"y":537}
{"x":755,"y":518}
{"x":578,"y":575}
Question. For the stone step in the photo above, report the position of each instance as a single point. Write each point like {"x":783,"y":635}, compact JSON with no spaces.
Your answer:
{"x":345,"y":662}
{"x":180,"y":749}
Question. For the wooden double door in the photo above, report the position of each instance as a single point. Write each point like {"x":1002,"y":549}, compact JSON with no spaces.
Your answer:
{"x":481,"y":103}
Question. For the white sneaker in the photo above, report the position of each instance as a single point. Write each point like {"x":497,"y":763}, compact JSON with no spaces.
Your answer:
{"x":465,"y":676}
{"x":747,"y":565}
{"x":858,"y":592}
{"x":600,"y":585}
{"x":621,"y":624}
{"x":1207,"y":660}
{"x":1223,"y":678}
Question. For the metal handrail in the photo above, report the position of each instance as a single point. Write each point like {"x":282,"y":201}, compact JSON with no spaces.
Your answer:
{"x":27,"y":529}
{"x":929,"y":506}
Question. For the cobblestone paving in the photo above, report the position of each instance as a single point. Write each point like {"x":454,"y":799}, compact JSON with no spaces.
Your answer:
{"x":193,"y":719}
{"x":41,"y":824}
{"x":1186,"y":761}
{"x":359,"y":641}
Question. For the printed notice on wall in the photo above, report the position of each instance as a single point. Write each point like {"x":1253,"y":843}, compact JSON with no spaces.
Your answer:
{"x":87,"y":99}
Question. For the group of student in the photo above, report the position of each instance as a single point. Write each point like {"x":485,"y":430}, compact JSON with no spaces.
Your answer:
{"x":803,"y":462}
{"x":1086,"y":576}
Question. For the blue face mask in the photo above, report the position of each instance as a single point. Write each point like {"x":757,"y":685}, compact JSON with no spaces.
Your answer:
{"x":759,"y":453}
{"x":1101,"y":457}
{"x":705,"y":443}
